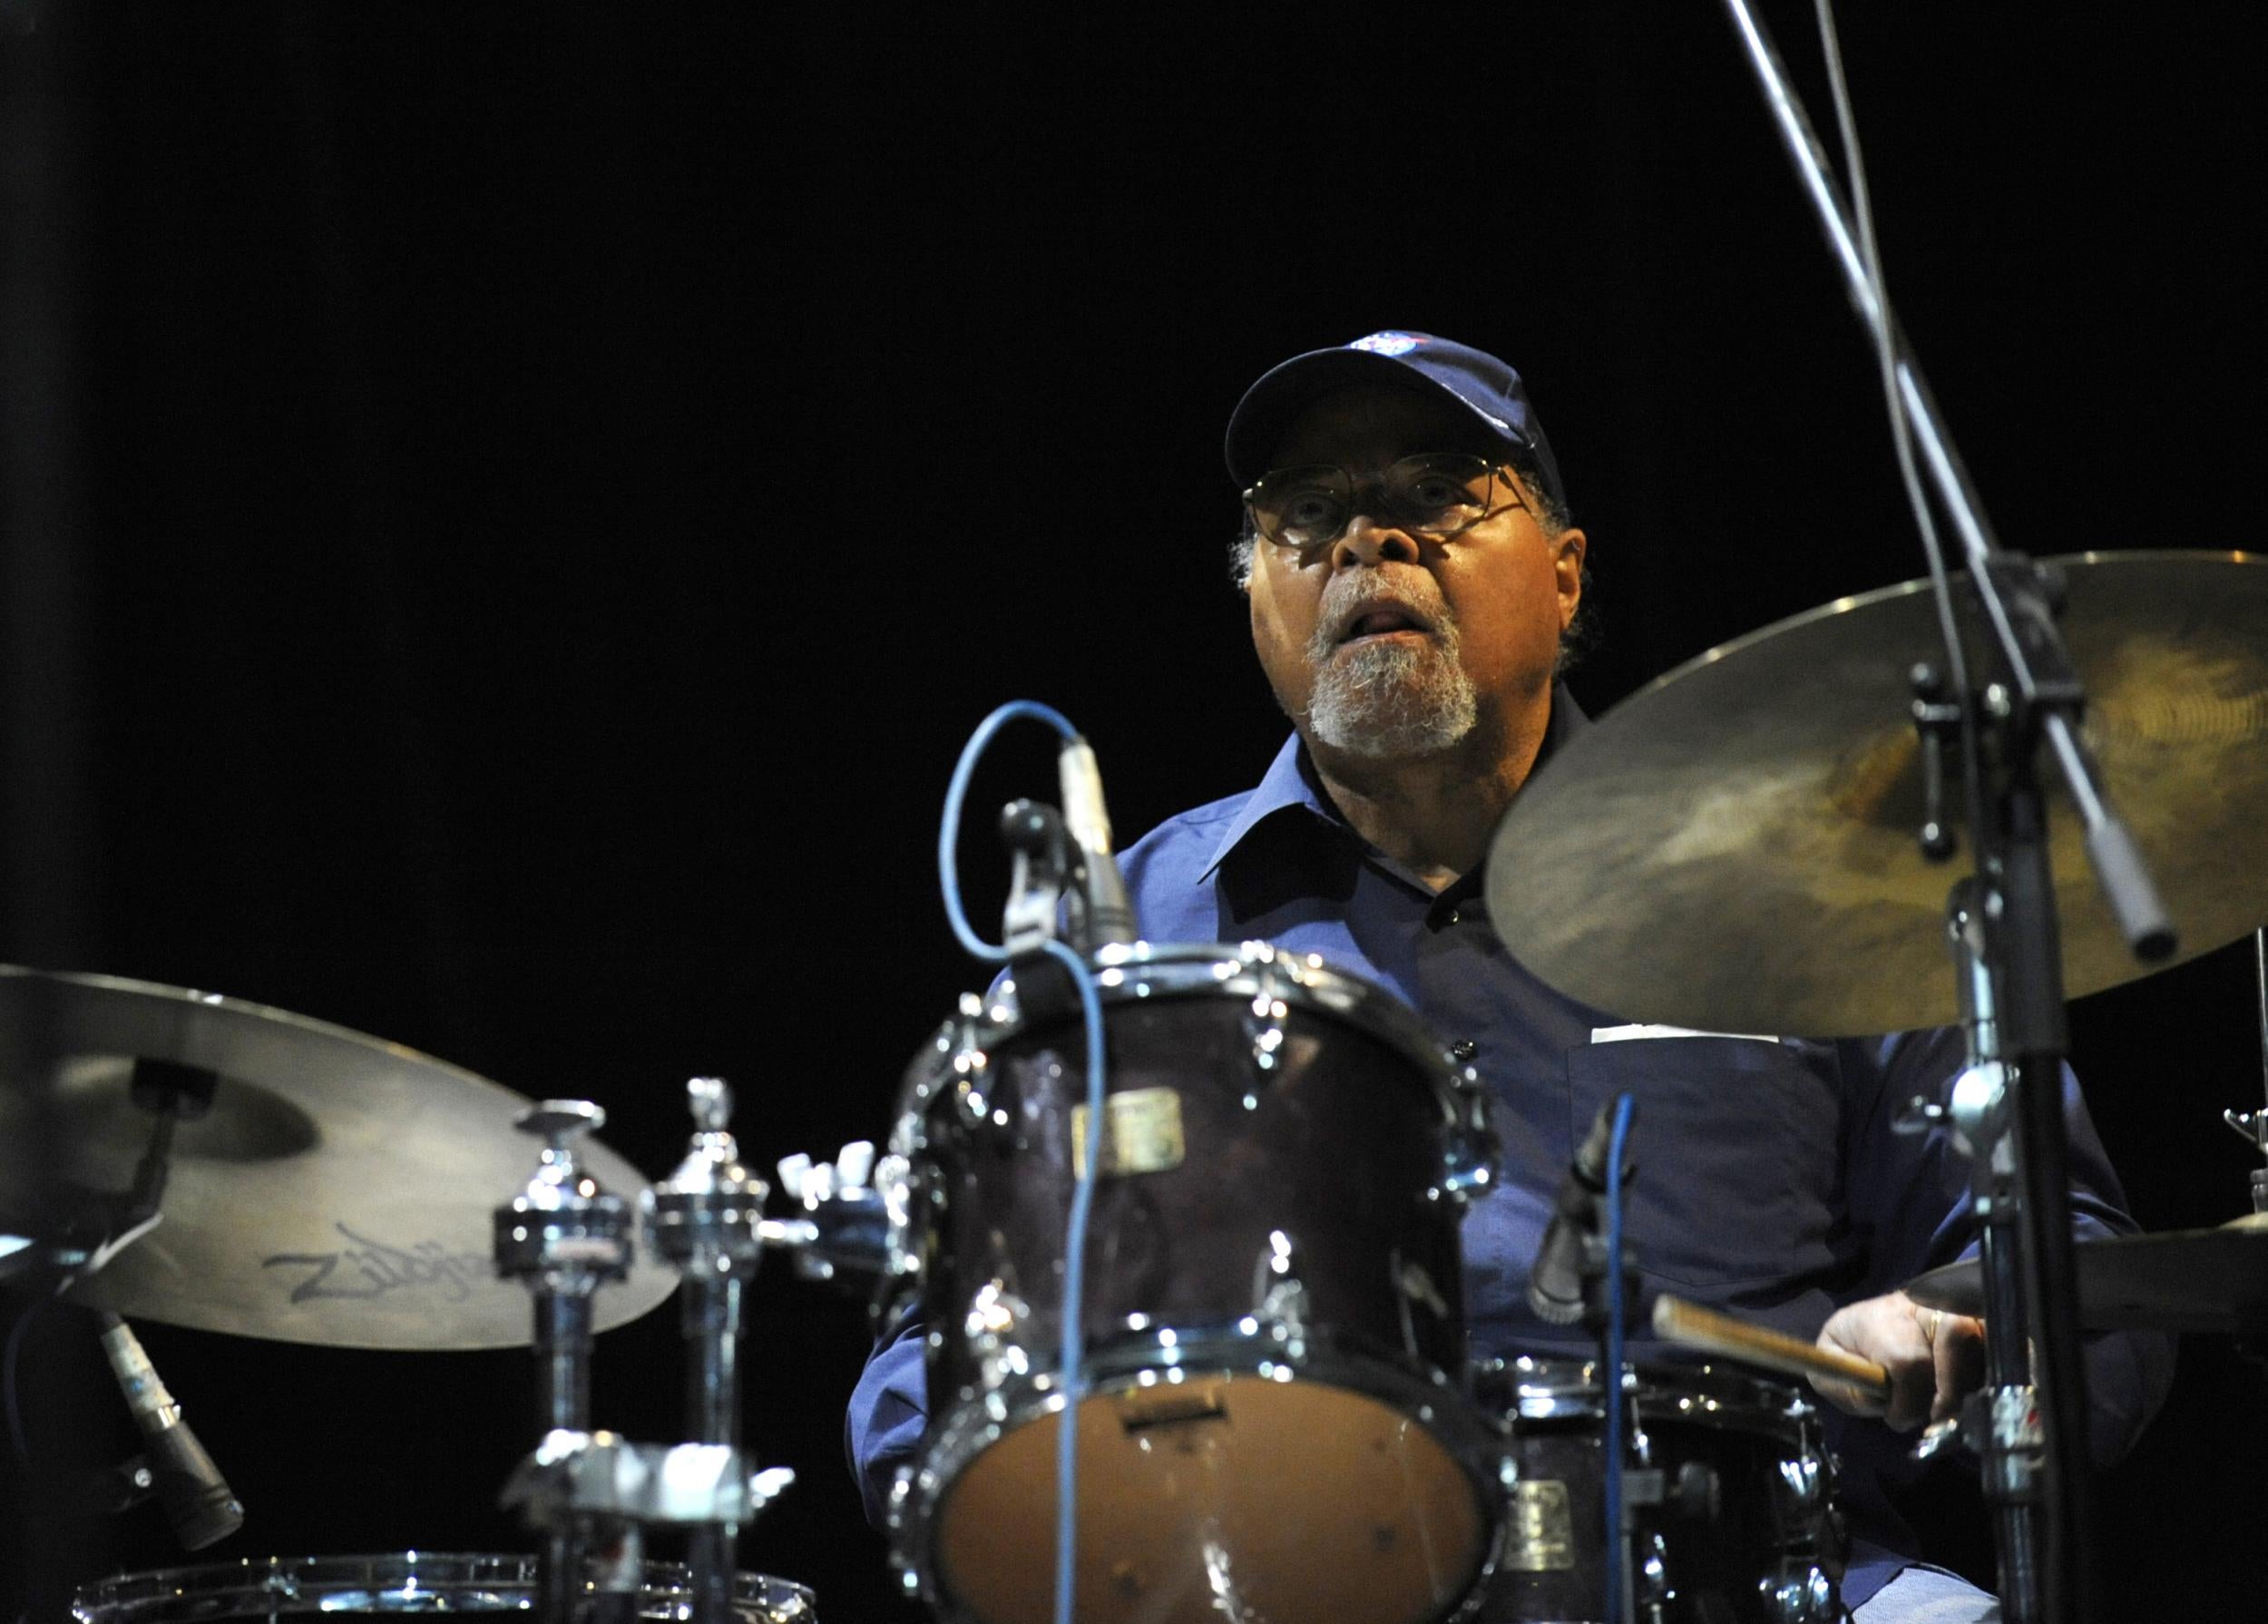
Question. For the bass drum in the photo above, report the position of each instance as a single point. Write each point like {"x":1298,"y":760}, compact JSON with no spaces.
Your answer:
{"x":1733,"y":1497}
{"x":1277,"y":1426}
{"x":413,"y":1581}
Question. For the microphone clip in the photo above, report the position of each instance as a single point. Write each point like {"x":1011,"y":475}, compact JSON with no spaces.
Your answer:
{"x":1567,"y":1284}
{"x":1039,"y":875}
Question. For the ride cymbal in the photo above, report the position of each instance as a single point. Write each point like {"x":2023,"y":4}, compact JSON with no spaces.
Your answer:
{"x":1734,"y":846}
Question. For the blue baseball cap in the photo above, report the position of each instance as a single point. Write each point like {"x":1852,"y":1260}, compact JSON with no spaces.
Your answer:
{"x":1483,"y":386}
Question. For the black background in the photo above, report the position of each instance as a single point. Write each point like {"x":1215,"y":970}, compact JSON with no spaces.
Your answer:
{"x":518,"y":508}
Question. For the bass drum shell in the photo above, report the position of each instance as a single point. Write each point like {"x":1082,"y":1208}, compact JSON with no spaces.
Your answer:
{"x":1277,"y":1426}
{"x":410,"y":1581}
{"x":1750,"y":1532}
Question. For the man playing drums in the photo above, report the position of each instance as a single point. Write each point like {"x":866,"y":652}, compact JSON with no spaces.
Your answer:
{"x":1414,"y":582}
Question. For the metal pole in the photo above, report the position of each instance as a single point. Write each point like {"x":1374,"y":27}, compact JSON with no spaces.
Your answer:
{"x":712,"y":1330}
{"x":2010,"y":1449}
{"x":565,"y":1238}
{"x":706,"y":1221}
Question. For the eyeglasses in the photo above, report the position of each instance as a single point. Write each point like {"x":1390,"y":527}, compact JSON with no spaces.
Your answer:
{"x":1440,"y":495}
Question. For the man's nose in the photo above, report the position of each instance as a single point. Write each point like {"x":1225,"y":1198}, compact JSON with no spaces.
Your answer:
{"x":1366,"y":540}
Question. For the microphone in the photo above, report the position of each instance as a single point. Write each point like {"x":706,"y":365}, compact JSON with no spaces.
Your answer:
{"x":198,"y":1500}
{"x":1554,"y":1282}
{"x":1109,"y":915}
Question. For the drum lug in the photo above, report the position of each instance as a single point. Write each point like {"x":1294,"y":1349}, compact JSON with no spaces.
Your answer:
{"x":1469,"y":1147}
{"x":1279,"y":1298}
{"x":1656,"y":1590}
{"x":1800,"y":1593}
{"x":1798,"y":1491}
{"x":1468,"y":1168}
{"x":995,"y":1330}
{"x":1266,"y":1022}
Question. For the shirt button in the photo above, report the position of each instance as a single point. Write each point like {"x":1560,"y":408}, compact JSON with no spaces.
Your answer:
{"x":1463,"y":1050}
{"x":1456,"y":916}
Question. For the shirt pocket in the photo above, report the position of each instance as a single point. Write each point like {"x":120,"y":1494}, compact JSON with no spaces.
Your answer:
{"x":1734,"y":1142}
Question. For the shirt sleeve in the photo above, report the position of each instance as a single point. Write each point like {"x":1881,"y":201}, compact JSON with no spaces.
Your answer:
{"x":1910,"y":1200}
{"x":889,"y":1408}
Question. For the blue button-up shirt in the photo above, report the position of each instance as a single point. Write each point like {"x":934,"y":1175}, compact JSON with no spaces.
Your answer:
{"x":1771,"y":1181}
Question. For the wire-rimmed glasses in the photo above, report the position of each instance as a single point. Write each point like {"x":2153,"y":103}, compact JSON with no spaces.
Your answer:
{"x":1436,"y":494}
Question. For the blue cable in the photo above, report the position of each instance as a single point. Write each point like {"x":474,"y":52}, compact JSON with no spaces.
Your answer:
{"x":1610,"y":1379}
{"x":1072,"y":1355}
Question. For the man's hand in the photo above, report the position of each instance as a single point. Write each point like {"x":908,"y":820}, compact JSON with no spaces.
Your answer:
{"x":1934,"y":1359}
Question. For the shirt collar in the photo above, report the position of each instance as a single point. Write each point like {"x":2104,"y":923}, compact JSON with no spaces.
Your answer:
{"x":1290,"y":783}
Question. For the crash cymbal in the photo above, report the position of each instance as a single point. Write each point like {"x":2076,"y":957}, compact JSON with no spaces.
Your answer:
{"x":338,"y":1191}
{"x":2182,"y":1280}
{"x":1733,"y":848}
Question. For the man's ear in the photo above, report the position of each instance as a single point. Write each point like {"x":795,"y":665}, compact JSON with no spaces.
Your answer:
{"x":1567,"y":568}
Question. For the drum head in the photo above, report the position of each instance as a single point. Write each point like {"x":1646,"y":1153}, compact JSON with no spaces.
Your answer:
{"x":1220,"y":1496}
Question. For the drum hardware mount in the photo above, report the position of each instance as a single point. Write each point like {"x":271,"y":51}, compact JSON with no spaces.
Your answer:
{"x":592,"y":1495}
{"x":1938,"y":722}
{"x":704,"y":1220}
{"x":1039,"y":871}
{"x":563,"y":1238}
{"x":96,"y":1226}
{"x":601,"y":1476}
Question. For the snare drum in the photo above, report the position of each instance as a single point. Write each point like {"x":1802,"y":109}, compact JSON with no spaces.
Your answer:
{"x":412,"y":1581}
{"x":1277,"y":1427}
{"x":1732,"y":1492}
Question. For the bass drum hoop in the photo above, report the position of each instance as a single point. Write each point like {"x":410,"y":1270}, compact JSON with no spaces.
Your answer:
{"x":1202,"y":1355}
{"x":392,"y":1582}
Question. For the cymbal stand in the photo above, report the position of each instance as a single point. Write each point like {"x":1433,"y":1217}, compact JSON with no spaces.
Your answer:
{"x":706,"y":1221}
{"x":565,"y":1238}
{"x":2002,"y":1421}
{"x":2030,"y":705}
{"x":2252,"y":1125}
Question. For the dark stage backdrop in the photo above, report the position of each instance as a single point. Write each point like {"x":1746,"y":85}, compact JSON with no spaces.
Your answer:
{"x":523,"y":505}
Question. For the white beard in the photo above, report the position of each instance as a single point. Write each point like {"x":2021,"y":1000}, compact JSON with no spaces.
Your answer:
{"x":1391,"y":700}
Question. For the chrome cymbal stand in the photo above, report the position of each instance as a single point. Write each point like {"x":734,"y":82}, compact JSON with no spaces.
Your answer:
{"x":565,"y":1238}
{"x":2252,"y":1125}
{"x":2003,"y":1422}
{"x":706,"y":1220}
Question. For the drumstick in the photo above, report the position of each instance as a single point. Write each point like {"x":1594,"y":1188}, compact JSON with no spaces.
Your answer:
{"x":1680,"y":1321}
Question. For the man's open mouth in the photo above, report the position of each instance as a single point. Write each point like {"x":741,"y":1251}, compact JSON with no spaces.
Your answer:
{"x":1385,"y":619}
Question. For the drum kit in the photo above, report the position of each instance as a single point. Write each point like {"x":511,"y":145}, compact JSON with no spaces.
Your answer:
{"x":1270,"y":1402}
{"x":1275,"y":1417}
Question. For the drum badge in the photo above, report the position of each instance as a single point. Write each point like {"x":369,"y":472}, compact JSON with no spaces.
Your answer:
{"x":1141,"y":1133}
{"x":1541,"y":1538}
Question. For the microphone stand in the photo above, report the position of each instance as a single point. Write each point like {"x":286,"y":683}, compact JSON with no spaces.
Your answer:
{"x":2034,"y":703}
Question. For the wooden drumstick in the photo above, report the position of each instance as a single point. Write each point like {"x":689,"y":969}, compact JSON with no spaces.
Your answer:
{"x":1677,"y":1320}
